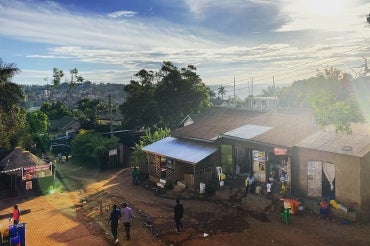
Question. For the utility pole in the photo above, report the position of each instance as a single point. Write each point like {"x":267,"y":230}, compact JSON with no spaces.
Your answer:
{"x":234,"y":93}
{"x":110,"y":115}
{"x":252,"y":86}
{"x":274,"y":92}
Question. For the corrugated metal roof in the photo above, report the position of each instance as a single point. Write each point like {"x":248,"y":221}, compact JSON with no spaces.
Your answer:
{"x":288,"y":126}
{"x":355,"y":144}
{"x":247,"y":131}
{"x":180,"y":149}
{"x":211,"y":125}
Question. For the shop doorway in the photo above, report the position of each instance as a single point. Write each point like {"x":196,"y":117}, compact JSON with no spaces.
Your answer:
{"x":320,"y":179}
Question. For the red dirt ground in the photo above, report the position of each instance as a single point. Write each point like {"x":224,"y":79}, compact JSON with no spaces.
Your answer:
{"x":79,"y":217}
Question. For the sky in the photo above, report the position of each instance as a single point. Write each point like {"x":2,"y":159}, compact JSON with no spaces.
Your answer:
{"x":233,"y":41}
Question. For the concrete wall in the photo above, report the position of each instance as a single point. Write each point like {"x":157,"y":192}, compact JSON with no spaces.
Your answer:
{"x":347,"y":174}
{"x":365,"y":186}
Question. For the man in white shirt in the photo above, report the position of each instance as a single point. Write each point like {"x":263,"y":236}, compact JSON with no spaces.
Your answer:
{"x":126,"y":218}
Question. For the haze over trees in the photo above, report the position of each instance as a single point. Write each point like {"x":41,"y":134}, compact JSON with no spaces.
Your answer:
{"x":331,"y":96}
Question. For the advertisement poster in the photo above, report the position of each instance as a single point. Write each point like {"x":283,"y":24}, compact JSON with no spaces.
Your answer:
{"x":28,"y":185}
{"x":37,"y":171}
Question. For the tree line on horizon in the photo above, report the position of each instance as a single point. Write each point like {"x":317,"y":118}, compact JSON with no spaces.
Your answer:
{"x":159,"y":101}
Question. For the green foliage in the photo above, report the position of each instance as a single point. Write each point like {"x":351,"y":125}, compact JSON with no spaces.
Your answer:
{"x":91,"y":145}
{"x":140,"y":108}
{"x":12,"y":117}
{"x":138,"y":157}
{"x":334,"y":103}
{"x":178,"y":92}
{"x":72,"y":82}
{"x":221,"y":91}
{"x":55,"y":110}
{"x":88,"y":111}
{"x":38,"y":122}
{"x":12,"y":124}
{"x":35,"y":134}
{"x":183,"y":90}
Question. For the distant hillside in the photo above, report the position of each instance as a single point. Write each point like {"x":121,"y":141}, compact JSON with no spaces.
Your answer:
{"x":37,"y":94}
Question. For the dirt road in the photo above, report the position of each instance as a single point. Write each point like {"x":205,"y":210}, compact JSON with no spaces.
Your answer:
{"x":79,"y":215}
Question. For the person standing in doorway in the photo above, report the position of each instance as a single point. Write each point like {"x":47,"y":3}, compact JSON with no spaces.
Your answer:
{"x":113,"y":220}
{"x":269,"y":189}
{"x":127,"y":217}
{"x":178,"y":214}
{"x":246,"y":183}
{"x":16,"y":214}
{"x":249,"y":184}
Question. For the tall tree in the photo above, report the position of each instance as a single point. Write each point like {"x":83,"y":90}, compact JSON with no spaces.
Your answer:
{"x":10,"y":93}
{"x":179,"y":92}
{"x":88,"y":112}
{"x":12,"y":117}
{"x":140,"y":109}
{"x":72,"y":81}
{"x":221,"y":91}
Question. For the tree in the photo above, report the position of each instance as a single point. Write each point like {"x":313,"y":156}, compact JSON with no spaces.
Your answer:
{"x":270,"y":91}
{"x":55,"y":110}
{"x":12,"y":116}
{"x":183,"y":90}
{"x":140,"y":109}
{"x":91,"y":148}
{"x":72,"y":82}
{"x":35,"y":136}
{"x":138,"y":157}
{"x":11,"y":94}
{"x":334,"y":104}
{"x":221,"y":91}
{"x":88,"y":112}
{"x":176,"y":93}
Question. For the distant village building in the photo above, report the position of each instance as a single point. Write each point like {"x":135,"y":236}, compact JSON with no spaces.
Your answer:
{"x":262,"y":103}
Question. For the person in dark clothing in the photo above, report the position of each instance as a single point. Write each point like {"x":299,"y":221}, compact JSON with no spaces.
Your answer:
{"x":113,"y":219}
{"x":134,"y":174}
{"x":178,"y":214}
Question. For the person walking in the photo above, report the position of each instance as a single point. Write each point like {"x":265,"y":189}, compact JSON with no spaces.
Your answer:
{"x":113,"y":220}
{"x":178,"y":214}
{"x":134,"y":176}
{"x":127,"y":217}
{"x":16,"y":214}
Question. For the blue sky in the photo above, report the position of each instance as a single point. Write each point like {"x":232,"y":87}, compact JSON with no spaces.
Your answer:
{"x":110,"y":40}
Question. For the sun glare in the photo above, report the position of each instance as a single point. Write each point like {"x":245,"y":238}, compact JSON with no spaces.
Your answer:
{"x":326,"y":8}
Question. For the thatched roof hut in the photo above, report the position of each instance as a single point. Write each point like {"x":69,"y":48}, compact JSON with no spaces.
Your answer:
{"x":19,"y":158}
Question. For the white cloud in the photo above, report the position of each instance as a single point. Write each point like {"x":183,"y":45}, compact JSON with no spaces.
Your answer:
{"x":328,"y":15}
{"x":144,"y":43}
{"x":122,"y":13}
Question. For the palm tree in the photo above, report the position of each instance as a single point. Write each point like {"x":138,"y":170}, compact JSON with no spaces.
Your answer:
{"x":221,"y":91}
{"x":10,"y":93}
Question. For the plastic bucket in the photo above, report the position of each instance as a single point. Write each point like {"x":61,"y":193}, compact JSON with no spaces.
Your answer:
{"x":202,"y":187}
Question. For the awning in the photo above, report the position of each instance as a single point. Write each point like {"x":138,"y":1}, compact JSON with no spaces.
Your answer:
{"x":179,"y":149}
